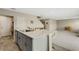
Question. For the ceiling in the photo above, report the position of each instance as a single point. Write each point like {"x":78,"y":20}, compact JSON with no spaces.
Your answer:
{"x":52,"y":13}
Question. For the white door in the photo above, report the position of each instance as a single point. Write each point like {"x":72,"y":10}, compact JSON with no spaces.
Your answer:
{"x":5,"y":26}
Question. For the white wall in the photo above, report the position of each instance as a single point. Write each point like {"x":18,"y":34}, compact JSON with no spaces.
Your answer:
{"x":52,"y":25}
{"x":74,"y":24}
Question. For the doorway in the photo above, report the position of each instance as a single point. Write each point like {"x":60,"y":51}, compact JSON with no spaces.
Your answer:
{"x":6,"y":26}
{"x":7,"y":34}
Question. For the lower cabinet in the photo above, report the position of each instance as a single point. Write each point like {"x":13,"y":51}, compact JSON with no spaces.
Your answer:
{"x":27,"y":43}
{"x":24,"y":42}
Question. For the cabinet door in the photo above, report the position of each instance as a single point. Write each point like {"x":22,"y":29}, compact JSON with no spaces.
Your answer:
{"x":19,"y":41}
{"x":16,"y":36}
{"x":24,"y":42}
{"x":27,"y":42}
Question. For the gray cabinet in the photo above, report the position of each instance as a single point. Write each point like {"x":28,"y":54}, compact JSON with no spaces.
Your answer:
{"x":27,"y":43}
{"x":24,"y":42}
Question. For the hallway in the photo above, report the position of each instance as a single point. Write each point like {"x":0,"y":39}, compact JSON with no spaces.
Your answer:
{"x":7,"y":44}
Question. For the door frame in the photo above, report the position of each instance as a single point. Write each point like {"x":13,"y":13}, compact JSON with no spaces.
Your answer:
{"x":12,"y":24}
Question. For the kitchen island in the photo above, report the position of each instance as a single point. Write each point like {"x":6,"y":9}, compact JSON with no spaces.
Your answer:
{"x":33,"y":40}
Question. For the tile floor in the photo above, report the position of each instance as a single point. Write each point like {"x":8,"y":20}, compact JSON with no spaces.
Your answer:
{"x":7,"y":44}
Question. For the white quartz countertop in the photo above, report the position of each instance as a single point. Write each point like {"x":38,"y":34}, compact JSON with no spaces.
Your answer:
{"x":35,"y":34}
{"x":67,"y":40}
